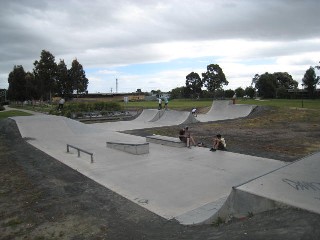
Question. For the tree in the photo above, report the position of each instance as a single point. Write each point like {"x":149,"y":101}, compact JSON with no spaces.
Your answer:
{"x":239,"y":92}
{"x":285,"y":80}
{"x":249,"y":91}
{"x":274,"y":85}
{"x":229,"y":93}
{"x":78,"y":77}
{"x":17,"y":84}
{"x":194,"y":84}
{"x":310,"y":80}
{"x":179,"y":92}
{"x":214,"y":78}
{"x":266,"y":85}
{"x":255,"y":79}
{"x":32,"y":89}
{"x":45,"y":74}
{"x":63,"y":82}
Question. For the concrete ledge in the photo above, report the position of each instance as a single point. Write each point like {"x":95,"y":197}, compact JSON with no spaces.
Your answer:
{"x":137,"y":149}
{"x":167,"y":141}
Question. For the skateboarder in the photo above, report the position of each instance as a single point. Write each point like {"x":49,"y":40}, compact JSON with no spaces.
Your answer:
{"x":166,"y":103}
{"x":194,"y":112}
{"x":160,"y":104}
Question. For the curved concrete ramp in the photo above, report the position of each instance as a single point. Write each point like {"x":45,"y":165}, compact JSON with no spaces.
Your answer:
{"x":157,"y":116}
{"x":224,"y":109}
{"x":150,"y":118}
{"x":173,"y":117}
{"x":148,"y":115}
{"x":296,"y":185}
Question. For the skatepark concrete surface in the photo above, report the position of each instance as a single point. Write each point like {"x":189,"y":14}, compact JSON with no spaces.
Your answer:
{"x":190,"y":185}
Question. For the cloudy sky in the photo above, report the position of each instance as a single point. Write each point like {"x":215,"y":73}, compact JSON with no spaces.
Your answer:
{"x":153,"y":45}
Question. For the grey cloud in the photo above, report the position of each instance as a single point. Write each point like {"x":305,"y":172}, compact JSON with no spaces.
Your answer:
{"x":123,"y":31}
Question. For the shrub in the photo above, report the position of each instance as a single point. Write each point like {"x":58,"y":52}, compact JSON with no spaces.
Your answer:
{"x":77,"y":109}
{"x":113,"y":106}
{"x":99,"y":106}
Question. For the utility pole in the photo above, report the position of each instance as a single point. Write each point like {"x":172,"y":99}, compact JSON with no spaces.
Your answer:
{"x":116,"y":85}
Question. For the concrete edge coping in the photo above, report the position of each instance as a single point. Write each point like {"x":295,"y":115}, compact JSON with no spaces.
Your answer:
{"x":165,"y":140}
{"x":132,"y":148}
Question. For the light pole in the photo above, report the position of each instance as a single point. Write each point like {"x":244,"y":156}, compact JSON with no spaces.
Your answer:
{"x":302,"y":94}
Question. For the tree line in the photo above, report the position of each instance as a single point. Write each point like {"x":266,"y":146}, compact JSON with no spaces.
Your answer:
{"x":267,"y":85}
{"x":47,"y":79}
{"x":51,"y":79}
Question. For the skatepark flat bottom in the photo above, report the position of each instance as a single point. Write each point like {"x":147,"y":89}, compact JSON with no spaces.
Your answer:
{"x":189,"y":185}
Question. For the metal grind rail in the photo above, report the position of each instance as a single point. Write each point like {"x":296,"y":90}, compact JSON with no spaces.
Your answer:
{"x":80,"y":150}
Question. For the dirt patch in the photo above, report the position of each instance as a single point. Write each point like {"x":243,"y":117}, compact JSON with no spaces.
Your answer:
{"x":281,"y":134}
{"x":40,"y":198}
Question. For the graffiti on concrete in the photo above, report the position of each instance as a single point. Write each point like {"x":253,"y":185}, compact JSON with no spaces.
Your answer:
{"x":302,"y":185}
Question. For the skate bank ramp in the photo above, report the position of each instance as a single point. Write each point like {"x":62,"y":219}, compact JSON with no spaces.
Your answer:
{"x":149,"y":115}
{"x":295,"y":185}
{"x":150,"y":118}
{"x":224,"y":109}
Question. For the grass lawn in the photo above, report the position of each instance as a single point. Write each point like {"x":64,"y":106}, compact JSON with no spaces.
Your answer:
{"x":290,"y":103}
{"x":178,"y":104}
{"x":187,"y":104}
{"x":13,"y":113}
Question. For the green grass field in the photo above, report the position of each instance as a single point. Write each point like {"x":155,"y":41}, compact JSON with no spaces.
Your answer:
{"x":187,"y":104}
{"x":13,"y":113}
{"x":179,"y":104}
{"x":290,"y":103}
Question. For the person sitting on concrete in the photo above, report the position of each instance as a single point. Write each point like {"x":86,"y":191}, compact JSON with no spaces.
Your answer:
{"x":187,"y":132}
{"x":182,"y":135}
{"x":185,"y":136}
{"x":219,"y":143}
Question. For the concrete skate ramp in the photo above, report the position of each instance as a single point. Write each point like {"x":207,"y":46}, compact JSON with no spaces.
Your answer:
{"x":150,"y":118}
{"x":149,"y":115}
{"x":173,"y":117}
{"x":224,"y":109}
{"x":296,"y":185}
{"x":189,"y":185}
